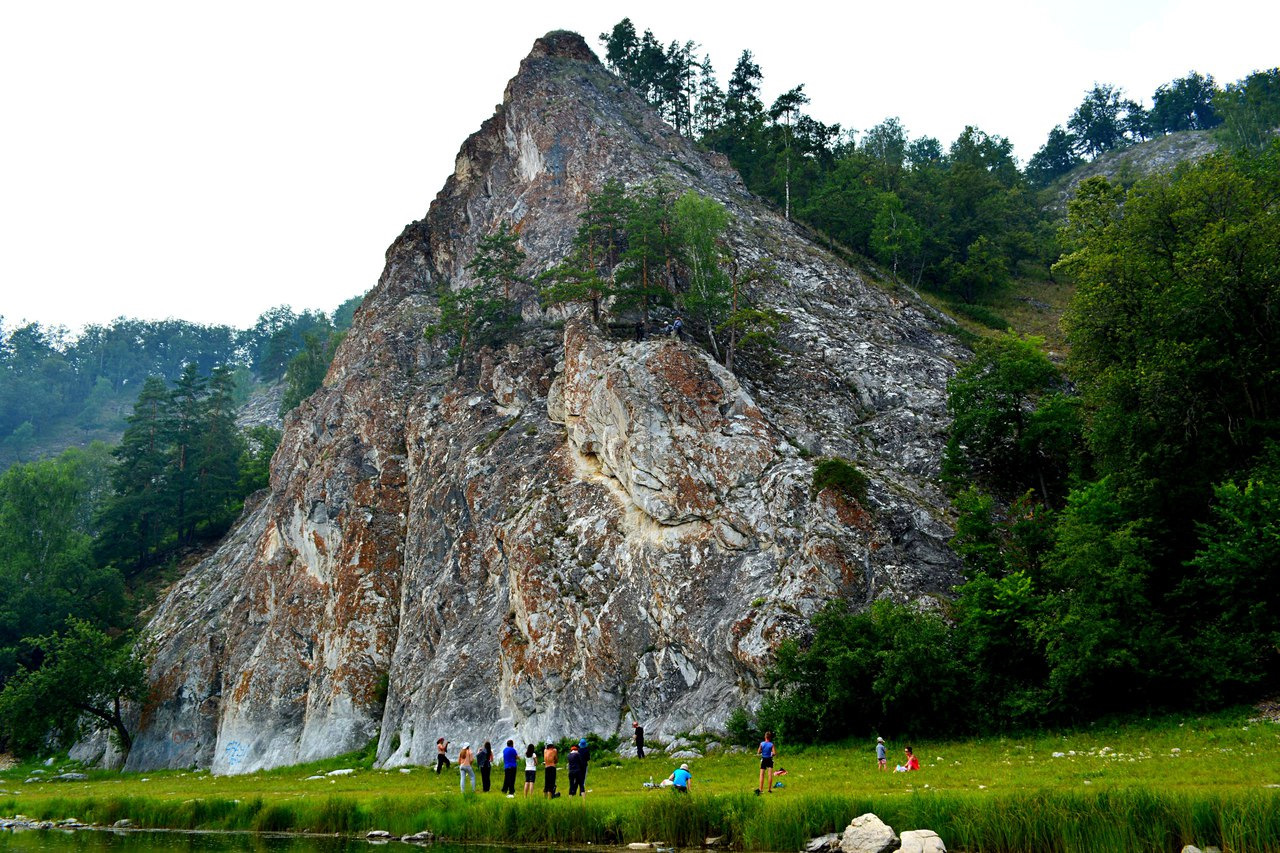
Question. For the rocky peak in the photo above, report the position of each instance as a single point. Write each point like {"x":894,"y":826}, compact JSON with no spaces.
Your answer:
{"x":562,"y":44}
{"x":578,"y":530}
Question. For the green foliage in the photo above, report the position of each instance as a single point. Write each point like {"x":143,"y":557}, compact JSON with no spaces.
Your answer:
{"x":1100,"y":640}
{"x":1106,"y":120}
{"x":700,"y":224}
{"x":485,"y":310}
{"x":47,"y":570}
{"x":1250,"y":110}
{"x":1185,"y":104}
{"x":896,"y":239}
{"x":890,"y":669}
{"x":308,"y":368}
{"x":255,"y":463}
{"x":1013,"y":426}
{"x":181,"y":469}
{"x":1232,"y":598}
{"x":980,"y":314}
{"x":841,"y":475}
{"x":741,"y":728}
{"x":1173,"y":328}
{"x":79,"y":685}
{"x":1054,"y":159}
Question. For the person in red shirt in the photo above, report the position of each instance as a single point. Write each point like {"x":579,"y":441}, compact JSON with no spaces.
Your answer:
{"x":913,"y":763}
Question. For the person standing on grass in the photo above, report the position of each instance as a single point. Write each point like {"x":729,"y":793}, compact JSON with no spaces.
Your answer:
{"x":585,"y":752}
{"x":575,"y":765}
{"x":465,"y":758}
{"x":882,"y":755}
{"x":639,"y":735}
{"x":442,"y":754}
{"x":550,"y":756}
{"x":530,"y":768}
{"x":510,"y":762}
{"x":484,"y":763}
{"x":767,"y":751}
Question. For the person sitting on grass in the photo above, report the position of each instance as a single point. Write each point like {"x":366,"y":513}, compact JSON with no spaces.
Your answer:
{"x":913,"y":763}
{"x":680,"y":779}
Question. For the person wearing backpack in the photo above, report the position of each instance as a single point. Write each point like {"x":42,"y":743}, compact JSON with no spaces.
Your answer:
{"x":575,"y":762}
{"x":484,"y":762}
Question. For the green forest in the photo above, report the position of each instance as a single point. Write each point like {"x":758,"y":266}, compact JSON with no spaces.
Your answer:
{"x":88,"y":535}
{"x":1117,"y":508}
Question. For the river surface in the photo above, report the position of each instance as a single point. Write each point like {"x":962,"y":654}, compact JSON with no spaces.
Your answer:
{"x":141,"y":841}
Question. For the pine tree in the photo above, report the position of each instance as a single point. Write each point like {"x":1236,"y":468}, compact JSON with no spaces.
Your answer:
{"x":135,"y":519}
{"x":219,"y":449}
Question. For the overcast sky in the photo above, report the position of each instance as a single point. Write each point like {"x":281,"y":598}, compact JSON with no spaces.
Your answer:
{"x":207,"y":161}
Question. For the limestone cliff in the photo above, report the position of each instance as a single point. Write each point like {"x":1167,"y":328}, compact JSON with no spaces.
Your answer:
{"x":579,"y":530}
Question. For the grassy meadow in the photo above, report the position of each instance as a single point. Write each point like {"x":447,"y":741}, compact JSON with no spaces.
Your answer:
{"x":1145,"y":785}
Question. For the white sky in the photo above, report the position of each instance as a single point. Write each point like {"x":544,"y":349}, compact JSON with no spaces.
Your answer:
{"x":207,"y":161}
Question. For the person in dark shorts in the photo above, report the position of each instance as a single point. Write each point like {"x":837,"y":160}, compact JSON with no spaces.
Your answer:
{"x":767,"y":751}
{"x":585,"y":752}
{"x":550,"y":756}
{"x":510,"y":763}
{"x":530,"y":768}
{"x":442,"y":754}
{"x":639,"y":729}
{"x":575,"y":764}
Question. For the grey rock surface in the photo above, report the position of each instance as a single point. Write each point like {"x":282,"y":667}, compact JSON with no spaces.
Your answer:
{"x":830,"y":841}
{"x":868,"y":834}
{"x":921,"y":841}
{"x":575,"y":530}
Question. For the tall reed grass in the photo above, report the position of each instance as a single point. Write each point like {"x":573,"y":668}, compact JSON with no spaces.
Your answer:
{"x":1044,"y":822}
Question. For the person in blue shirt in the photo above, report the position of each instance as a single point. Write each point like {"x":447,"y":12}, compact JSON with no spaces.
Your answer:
{"x":681,"y":778}
{"x":767,"y":752}
{"x":510,"y":763}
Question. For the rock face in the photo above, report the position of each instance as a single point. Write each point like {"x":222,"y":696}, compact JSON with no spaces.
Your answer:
{"x":922,"y":841}
{"x":575,"y":530}
{"x":868,"y":834}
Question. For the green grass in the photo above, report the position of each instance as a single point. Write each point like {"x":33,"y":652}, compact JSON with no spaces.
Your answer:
{"x":1149,"y":785}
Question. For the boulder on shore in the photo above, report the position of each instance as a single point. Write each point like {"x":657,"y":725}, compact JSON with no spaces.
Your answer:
{"x":868,"y":834}
{"x":922,"y":841}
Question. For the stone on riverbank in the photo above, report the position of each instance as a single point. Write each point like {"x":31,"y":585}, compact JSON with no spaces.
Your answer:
{"x":868,"y":834}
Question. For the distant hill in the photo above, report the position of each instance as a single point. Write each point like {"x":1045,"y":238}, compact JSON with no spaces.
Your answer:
{"x":1126,"y":165}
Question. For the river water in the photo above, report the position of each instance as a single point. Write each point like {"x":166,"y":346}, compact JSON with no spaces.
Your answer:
{"x":106,"y":841}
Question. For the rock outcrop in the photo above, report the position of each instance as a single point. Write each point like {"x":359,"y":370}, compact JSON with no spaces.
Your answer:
{"x":868,"y":834}
{"x":575,"y":530}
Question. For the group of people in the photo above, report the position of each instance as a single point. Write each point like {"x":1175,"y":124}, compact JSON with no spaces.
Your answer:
{"x":882,"y":758}
{"x":579,"y":757}
{"x":469,"y":761}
